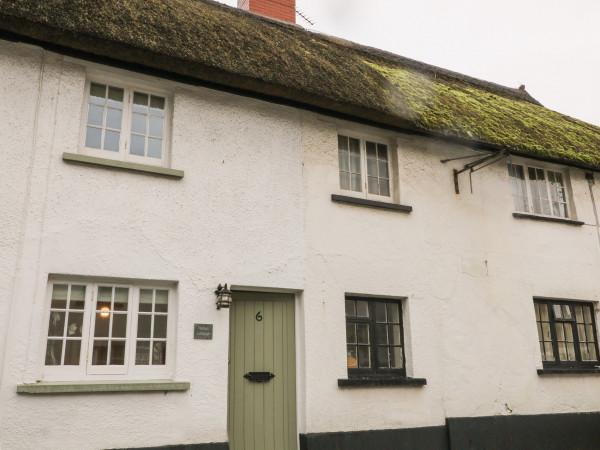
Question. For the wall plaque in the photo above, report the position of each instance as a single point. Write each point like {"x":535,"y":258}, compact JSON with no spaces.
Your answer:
{"x":203,"y":330}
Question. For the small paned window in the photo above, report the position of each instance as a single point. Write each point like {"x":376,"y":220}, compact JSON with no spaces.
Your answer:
{"x":125,"y":123}
{"x":105,"y":328}
{"x":354,"y":155}
{"x":567,"y":333}
{"x":374,"y":337}
{"x":538,"y":191}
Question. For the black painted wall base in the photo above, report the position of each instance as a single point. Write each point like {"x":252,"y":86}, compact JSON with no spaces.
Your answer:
{"x":430,"y":438}
{"x":211,"y":446}
{"x":577,"y":431}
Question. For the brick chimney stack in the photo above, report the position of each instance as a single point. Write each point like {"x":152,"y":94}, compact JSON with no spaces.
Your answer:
{"x":276,"y":9}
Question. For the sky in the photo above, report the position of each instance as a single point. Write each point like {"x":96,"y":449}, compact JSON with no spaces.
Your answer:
{"x":552,"y":47}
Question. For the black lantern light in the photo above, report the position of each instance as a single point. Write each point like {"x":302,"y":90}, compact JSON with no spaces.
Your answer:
{"x":223,"y":296}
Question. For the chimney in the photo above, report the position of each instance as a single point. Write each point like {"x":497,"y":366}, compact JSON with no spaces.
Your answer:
{"x":276,"y":9}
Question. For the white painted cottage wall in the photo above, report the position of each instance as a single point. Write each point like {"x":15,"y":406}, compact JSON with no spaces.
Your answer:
{"x":255,"y":209}
{"x":235,"y":216}
{"x":469,"y":271}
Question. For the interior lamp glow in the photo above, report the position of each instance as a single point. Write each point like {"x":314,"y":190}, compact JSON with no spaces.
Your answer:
{"x":104,"y":311}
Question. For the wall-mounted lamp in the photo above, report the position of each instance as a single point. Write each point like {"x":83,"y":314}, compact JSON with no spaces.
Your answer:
{"x":223,"y":297}
{"x":104,"y":311}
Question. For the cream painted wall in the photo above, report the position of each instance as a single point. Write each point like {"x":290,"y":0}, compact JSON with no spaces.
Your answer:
{"x":254,"y":209}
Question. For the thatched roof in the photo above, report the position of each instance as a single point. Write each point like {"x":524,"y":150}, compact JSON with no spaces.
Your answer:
{"x":213,"y":43}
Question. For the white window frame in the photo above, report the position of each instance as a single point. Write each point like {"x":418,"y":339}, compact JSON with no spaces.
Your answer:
{"x":129,"y":85}
{"x":128,"y":371}
{"x":392,"y":167}
{"x":545,"y":168}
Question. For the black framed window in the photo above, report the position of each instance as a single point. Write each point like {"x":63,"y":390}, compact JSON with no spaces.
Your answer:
{"x":374,"y":337}
{"x":567,"y":333}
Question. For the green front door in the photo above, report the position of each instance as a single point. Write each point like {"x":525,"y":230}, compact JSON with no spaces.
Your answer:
{"x":262,"y":414}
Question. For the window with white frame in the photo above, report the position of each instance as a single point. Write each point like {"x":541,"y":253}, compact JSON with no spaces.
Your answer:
{"x":108,"y":329}
{"x":538,"y":191}
{"x":364,"y":166}
{"x":126,"y":123}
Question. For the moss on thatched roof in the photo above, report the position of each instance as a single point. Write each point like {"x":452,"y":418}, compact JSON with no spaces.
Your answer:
{"x":217,"y":44}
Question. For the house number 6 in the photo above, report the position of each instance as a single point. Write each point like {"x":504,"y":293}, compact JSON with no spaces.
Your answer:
{"x":258,"y":316}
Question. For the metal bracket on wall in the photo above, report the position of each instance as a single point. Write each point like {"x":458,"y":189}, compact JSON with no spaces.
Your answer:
{"x":473,"y":167}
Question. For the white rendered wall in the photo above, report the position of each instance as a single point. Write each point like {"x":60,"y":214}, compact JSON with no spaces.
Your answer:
{"x":254,"y":209}
{"x":236,"y":216}
{"x":469,"y":271}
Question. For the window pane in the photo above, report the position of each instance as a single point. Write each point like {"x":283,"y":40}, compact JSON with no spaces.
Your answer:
{"x":121,"y":298}
{"x":383,"y":359}
{"x":160,"y":327}
{"x":138,"y":123}
{"x":97,"y":93}
{"x":350,"y":333}
{"x":546,"y":329}
{"x":372,"y":167}
{"x":373,"y":186}
{"x":362,"y":333}
{"x":587,"y":314}
{"x":383,"y":169}
{"x":342,"y":142}
{"x":113,"y":118}
{"x":145,"y":300}
{"x":75,"y":324}
{"x":592,"y":351}
{"x":382,"y":336}
{"x":155,"y":148}
{"x":119,"y":325}
{"x":93,"y":137}
{"x":111,"y":140}
{"x":544,"y":312}
{"x":384,"y":187}
{"x":364,"y":357}
{"x":549,"y":351}
{"x":380,"y":312}
{"x":560,"y":332}
{"x":56,"y":326}
{"x":393,"y":315}
{"x":115,"y":97}
{"x":355,"y":163}
{"x":562,"y":351}
{"x":144,"y":324}
{"x":362,"y":308}
{"x":72,"y":351}
{"x":117,"y":353}
{"x":159,"y":353}
{"x":157,"y":105}
{"x":104,"y":297}
{"x":102,"y":324}
{"x":162,"y":301}
{"x":352,"y":358}
{"x":344,"y":180}
{"x":581,"y":332}
{"x":355,"y":182}
{"x":585,"y":355}
{"x":579,"y":314}
{"x":100,"y":353}
{"x":59,"y":296}
{"x":156,"y":126}
{"x":354,"y":146}
{"x":140,"y":102}
{"x":371,"y":151}
{"x":394,"y":333}
{"x":382,"y":152}
{"x":396,"y":361}
{"x":142,"y":353}
{"x":95,"y":115}
{"x":53,"y":352}
{"x":138,"y":145}
{"x":350,"y":308}
{"x":77,"y":297}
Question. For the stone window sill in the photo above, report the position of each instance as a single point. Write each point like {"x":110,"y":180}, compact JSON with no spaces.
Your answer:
{"x":378,"y":381}
{"x":122,"y":165}
{"x":370,"y":203}
{"x":93,"y":387}
{"x":547,"y":219}
{"x":568,"y":371}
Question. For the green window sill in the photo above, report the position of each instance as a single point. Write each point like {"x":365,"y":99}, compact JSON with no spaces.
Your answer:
{"x":123,"y":165}
{"x":101,"y":386}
